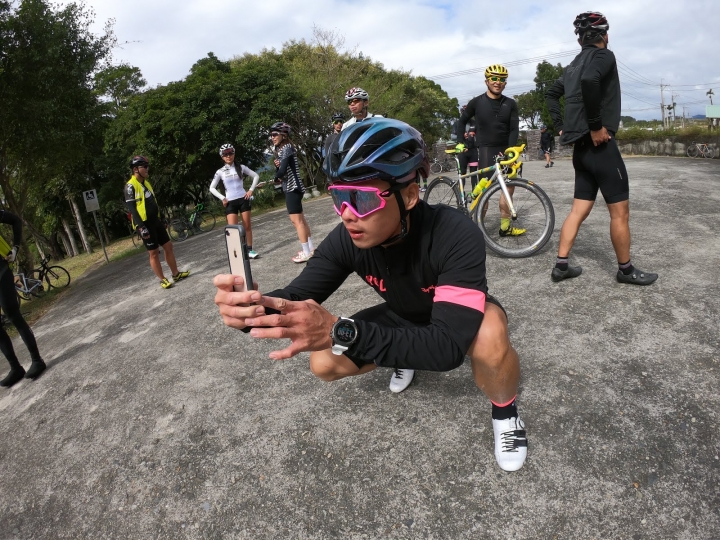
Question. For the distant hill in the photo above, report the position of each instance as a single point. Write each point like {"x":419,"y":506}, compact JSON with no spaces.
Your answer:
{"x":699,"y":117}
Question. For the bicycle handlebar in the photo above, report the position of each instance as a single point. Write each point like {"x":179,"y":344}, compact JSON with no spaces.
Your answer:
{"x":515,"y":151}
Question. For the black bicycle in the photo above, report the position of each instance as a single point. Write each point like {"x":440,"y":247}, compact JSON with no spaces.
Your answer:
{"x":55,"y":276}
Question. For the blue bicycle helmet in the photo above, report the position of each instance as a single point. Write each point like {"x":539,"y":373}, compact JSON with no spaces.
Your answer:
{"x":381,"y":148}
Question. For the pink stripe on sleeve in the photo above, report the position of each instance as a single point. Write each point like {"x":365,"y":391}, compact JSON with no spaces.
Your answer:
{"x":464,"y":297}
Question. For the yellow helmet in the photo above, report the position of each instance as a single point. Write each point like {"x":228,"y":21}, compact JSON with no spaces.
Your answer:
{"x":496,"y":70}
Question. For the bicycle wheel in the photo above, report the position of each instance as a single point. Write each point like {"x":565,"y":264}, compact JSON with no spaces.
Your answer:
{"x":436,"y":167}
{"x":178,"y":230}
{"x":535,"y":214}
{"x":57,"y":277}
{"x":37,"y":287}
{"x":442,"y":190}
{"x":693,"y":151}
{"x":709,"y":152}
{"x":20,"y":290}
{"x":205,"y":221}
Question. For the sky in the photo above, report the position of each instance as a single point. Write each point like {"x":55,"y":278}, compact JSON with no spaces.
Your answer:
{"x":655,"y":41}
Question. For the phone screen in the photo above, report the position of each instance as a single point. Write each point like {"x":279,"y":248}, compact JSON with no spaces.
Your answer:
{"x":237,"y":255}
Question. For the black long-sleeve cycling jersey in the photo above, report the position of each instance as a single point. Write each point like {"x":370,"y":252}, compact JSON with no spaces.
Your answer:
{"x":434,"y":278}
{"x":591,"y":86}
{"x":496,"y":120}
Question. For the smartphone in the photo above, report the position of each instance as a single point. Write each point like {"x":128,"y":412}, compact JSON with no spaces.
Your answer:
{"x":237,"y":251}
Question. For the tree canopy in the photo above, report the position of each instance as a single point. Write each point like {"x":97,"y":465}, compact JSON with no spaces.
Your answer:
{"x":532,"y":108}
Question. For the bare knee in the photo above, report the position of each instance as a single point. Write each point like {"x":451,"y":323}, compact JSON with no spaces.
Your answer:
{"x":323,"y":367}
{"x":492,"y":346}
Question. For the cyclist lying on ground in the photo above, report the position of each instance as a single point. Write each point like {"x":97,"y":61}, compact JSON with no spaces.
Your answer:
{"x":426,"y":262}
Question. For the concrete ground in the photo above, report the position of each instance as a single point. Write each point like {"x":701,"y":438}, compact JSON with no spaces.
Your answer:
{"x":154,"y":420}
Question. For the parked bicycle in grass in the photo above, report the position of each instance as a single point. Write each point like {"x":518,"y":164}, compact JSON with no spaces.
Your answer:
{"x":491,"y":203}
{"x":700,"y":149}
{"x":27,"y":286}
{"x":200,"y":221}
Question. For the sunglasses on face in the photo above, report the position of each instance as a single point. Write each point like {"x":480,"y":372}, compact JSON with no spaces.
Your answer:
{"x":226,"y":154}
{"x":497,"y":79}
{"x":275,"y":134}
{"x":354,"y":101}
{"x":362,"y":201}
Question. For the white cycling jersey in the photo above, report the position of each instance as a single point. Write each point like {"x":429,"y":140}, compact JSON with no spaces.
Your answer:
{"x":353,"y":120}
{"x":233,"y":182}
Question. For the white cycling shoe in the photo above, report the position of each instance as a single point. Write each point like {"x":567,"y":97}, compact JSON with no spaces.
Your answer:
{"x":510,"y":443}
{"x":401,"y":379}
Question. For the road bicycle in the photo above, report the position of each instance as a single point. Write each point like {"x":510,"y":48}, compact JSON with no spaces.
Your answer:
{"x":700,"y":149}
{"x":55,"y":276}
{"x":501,"y":196}
{"x":437,"y":165}
{"x":27,"y":287}
{"x":200,"y":221}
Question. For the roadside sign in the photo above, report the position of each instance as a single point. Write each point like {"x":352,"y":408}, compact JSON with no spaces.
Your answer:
{"x":91,"y":201}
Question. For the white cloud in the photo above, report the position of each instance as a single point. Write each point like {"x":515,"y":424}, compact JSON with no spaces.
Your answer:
{"x":666,"y":40}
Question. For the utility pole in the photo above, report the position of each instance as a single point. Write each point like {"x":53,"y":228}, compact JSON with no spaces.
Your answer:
{"x":662,"y":103}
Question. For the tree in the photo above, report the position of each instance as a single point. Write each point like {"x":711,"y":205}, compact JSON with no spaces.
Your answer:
{"x":545,"y":76}
{"x":180,"y":126}
{"x":529,"y":108}
{"x":47,"y":62}
{"x":118,"y":84}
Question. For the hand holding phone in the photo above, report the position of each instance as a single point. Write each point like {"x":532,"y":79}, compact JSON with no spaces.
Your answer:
{"x":238,"y":259}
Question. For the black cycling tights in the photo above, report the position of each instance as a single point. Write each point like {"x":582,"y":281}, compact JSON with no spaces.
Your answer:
{"x":11,"y":307}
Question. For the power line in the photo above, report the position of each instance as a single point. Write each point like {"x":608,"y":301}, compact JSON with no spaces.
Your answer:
{"x":649,"y":81}
{"x":512,"y":63}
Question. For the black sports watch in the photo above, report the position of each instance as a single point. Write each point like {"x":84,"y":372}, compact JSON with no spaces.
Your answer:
{"x":343,"y":334}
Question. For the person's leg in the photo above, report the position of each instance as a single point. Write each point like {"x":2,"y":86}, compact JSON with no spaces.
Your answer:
{"x":248,"y":227}
{"x":578,"y":213}
{"x":330,"y":367}
{"x":494,"y":361}
{"x":298,"y":220}
{"x":170,"y":257}
{"x":620,"y":229}
{"x":232,"y":219}
{"x":11,"y":307}
{"x":155,"y":263}
{"x":496,"y":370}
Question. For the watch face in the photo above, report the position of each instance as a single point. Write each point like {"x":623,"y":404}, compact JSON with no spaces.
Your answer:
{"x":345,"y":332}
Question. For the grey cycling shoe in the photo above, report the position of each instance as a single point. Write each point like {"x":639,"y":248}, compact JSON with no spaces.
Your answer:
{"x":637,"y":277}
{"x":571,"y":272}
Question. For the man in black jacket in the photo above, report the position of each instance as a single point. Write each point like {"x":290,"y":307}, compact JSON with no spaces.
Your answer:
{"x":546,"y":142}
{"x":591,"y":87}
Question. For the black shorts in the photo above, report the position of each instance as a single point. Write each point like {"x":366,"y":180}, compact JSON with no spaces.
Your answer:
{"x":158,"y":235}
{"x":237,"y":206}
{"x":486,"y":155}
{"x":384,"y":316}
{"x":293,"y":201}
{"x":600,"y":167}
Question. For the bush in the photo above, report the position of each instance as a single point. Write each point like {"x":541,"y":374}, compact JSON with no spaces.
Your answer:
{"x":637,"y":133}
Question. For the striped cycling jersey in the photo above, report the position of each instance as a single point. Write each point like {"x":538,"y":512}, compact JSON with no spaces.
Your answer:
{"x":289,"y":171}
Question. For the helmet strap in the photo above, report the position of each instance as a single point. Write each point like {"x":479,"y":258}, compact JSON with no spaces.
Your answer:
{"x":396,"y":189}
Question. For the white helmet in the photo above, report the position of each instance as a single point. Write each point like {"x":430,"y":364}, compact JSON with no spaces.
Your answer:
{"x":356,"y":93}
{"x":227,"y":149}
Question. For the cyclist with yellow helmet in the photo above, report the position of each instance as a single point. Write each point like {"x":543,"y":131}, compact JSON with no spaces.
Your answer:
{"x":497,"y":128}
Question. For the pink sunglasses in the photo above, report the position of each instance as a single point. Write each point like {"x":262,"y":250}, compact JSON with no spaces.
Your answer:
{"x":362,"y":201}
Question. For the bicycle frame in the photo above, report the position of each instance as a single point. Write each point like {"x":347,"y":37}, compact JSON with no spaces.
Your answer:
{"x":497,"y":176}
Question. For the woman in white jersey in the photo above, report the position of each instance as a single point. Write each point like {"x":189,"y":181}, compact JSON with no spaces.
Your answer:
{"x":236,"y":200}
{"x":288,"y":172}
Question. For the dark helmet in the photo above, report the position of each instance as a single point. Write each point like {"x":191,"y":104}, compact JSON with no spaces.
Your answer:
{"x":377,"y":148}
{"x":281,"y":127}
{"x":338,"y":117}
{"x":139,"y":161}
{"x":462,"y":109}
{"x":591,"y":21}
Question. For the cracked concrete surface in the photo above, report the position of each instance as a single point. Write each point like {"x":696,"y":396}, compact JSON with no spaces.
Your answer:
{"x":156,"y":421}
